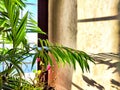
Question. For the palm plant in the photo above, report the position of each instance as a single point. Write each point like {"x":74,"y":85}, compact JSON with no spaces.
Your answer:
{"x":13,"y":31}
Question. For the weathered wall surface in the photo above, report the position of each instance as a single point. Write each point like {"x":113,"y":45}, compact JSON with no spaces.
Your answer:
{"x":62,"y":30}
{"x":98,"y":32}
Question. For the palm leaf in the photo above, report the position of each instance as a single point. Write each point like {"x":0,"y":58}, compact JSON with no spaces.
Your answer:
{"x":20,"y":3}
{"x":34,"y":60}
{"x":20,"y":34}
{"x":65,"y":55}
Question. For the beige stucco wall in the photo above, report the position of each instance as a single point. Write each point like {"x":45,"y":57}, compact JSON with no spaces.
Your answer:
{"x":100,"y":36}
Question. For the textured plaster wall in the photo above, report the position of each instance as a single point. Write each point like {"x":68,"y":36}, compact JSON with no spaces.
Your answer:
{"x":98,"y":32}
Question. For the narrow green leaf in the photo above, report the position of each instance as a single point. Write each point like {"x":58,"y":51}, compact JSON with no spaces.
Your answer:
{"x":34,"y":60}
{"x":55,"y":55}
{"x":20,"y":34}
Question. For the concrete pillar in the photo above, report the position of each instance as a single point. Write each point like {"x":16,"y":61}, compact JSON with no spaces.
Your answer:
{"x":62,"y":30}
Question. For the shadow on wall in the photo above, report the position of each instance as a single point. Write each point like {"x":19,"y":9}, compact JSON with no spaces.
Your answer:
{"x":93,"y":83}
{"x":107,"y":59}
{"x":77,"y":86}
{"x":115,"y":84}
{"x":100,"y":19}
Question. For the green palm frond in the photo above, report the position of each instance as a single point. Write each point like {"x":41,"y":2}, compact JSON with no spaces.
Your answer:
{"x":20,"y":31}
{"x":63,"y":55}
